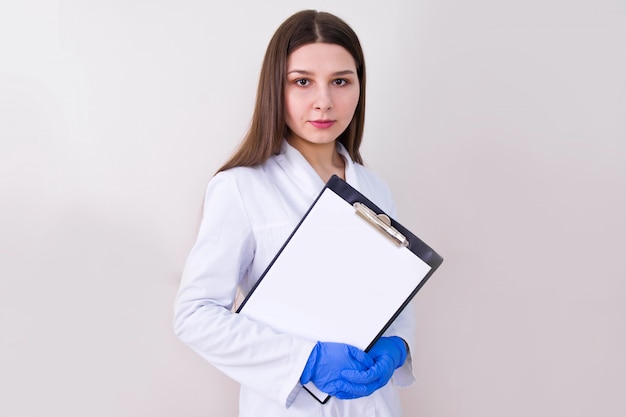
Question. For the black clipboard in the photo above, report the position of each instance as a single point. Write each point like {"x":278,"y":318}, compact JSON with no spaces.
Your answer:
{"x":343,"y":275}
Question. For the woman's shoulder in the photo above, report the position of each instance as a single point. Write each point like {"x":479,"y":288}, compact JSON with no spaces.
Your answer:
{"x":262,"y":173}
{"x":238,"y":174}
{"x":367,"y":178}
{"x":375,"y":188}
{"x":241,"y":180}
{"x":373,"y":179}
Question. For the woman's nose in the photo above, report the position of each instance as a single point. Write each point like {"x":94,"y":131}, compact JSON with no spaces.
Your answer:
{"x":323,"y":99}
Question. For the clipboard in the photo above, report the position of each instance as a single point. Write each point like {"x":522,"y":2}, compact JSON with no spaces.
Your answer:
{"x":343,"y":275}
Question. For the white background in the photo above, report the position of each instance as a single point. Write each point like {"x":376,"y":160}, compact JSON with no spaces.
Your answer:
{"x":499,"y":125}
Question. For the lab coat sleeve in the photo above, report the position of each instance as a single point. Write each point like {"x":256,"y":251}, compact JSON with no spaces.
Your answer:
{"x":247,"y":351}
{"x":404,"y":325}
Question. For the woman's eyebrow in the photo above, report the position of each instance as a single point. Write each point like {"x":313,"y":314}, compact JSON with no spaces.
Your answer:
{"x":344,"y":72}
{"x":337,"y":73}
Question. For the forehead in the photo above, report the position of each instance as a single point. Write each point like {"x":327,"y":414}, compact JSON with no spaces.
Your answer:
{"x":321,"y":57}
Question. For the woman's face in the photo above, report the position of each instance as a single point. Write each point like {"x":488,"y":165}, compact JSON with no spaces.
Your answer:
{"x":321,"y":94}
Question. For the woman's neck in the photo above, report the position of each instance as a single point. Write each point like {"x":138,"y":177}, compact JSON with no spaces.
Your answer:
{"x":323,"y":157}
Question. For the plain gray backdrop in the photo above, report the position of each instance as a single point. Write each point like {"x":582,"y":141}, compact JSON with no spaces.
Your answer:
{"x":500,"y":127}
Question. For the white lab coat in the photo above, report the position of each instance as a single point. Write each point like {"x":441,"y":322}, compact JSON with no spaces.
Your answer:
{"x":248,"y":214}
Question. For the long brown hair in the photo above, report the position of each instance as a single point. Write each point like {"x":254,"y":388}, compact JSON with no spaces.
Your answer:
{"x":267,"y":129}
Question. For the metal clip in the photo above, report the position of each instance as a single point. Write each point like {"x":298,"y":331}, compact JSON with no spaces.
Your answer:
{"x":382,"y":222}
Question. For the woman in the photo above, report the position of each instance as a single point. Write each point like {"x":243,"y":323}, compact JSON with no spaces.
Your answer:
{"x":307,"y":126}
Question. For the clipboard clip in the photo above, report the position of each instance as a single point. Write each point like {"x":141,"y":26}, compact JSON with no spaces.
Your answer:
{"x":382,"y":222}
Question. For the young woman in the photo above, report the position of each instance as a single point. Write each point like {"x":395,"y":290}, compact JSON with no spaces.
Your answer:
{"x":307,"y":126}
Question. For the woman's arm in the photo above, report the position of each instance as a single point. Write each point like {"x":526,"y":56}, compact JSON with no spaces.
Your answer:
{"x":247,"y":351}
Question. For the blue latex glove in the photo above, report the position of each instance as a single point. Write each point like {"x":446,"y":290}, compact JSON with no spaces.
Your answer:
{"x":388,"y":353}
{"x":326,"y":363}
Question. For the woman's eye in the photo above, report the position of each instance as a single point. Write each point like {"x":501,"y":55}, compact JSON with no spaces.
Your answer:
{"x":302,"y":82}
{"x":340,"y":82}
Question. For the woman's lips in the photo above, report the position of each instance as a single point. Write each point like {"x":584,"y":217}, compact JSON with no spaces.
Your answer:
{"x":322,"y":124}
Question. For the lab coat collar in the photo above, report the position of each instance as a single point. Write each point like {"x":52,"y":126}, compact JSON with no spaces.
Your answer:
{"x":299,"y":169}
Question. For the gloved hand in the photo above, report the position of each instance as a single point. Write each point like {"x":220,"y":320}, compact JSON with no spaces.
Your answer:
{"x":388,"y":353}
{"x":326,"y":363}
